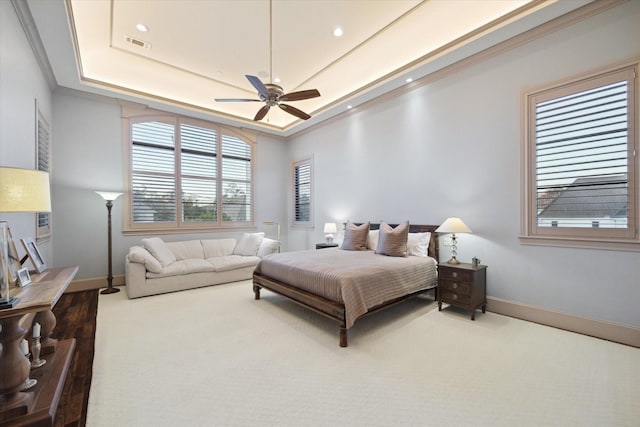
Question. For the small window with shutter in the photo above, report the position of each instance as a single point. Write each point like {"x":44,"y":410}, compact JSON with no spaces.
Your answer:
{"x":302,"y":192}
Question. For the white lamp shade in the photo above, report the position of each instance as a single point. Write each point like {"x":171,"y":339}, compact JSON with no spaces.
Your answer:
{"x":108,"y":195}
{"x":453,"y":225}
{"x":24,"y":190}
{"x":330,"y":227}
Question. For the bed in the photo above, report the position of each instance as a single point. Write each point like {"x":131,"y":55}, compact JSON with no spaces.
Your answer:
{"x":346,"y":285}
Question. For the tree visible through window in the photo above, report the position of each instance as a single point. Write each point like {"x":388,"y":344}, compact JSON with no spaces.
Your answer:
{"x":189,"y":174}
{"x":580,"y":149}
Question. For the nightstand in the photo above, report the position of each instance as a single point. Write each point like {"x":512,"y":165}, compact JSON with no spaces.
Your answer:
{"x":326,"y":245}
{"x":463,"y":285}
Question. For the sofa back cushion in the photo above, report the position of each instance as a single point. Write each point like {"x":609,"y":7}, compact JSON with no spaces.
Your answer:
{"x":190,"y":249}
{"x":159,"y":249}
{"x":268,"y":246}
{"x":218,"y":247}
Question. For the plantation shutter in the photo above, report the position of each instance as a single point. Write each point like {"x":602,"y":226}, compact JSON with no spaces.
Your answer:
{"x":43,"y":219}
{"x":198,"y":173}
{"x":153,"y":172}
{"x":582,"y":157}
{"x":236,"y":180}
{"x":302,"y":192}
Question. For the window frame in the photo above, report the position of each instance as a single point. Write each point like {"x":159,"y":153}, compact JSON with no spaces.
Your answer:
{"x":583,"y":237}
{"x":43,"y":147}
{"x":131,"y":116}
{"x":295,"y":164}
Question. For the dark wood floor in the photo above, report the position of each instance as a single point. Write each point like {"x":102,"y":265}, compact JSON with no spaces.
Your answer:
{"x":76,"y":318}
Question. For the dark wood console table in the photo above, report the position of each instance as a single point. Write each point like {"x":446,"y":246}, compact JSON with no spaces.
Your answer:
{"x":38,"y":405}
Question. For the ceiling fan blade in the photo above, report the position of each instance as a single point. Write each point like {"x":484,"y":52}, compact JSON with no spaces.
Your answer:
{"x":300,"y":95}
{"x":237,"y":100}
{"x":260,"y":87}
{"x":293,"y":110}
{"x":261,"y":113}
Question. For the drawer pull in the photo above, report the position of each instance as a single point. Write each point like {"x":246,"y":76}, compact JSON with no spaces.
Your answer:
{"x":454,"y":274}
{"x":454,"y":296}
{"x":455,"y":285}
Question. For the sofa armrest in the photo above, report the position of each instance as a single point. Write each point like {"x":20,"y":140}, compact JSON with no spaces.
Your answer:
{"x":139,"y":255}
{"x":135,"y":277}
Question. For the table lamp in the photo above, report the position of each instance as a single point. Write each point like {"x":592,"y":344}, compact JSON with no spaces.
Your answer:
{"x":329,"y":229}
{"x":23,"y":191}
{"x":453,"y":225}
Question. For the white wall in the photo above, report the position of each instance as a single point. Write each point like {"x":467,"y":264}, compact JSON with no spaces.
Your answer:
{"x":21,"y":83}
{"x":452,"y":148}
{"x":89,"y":155}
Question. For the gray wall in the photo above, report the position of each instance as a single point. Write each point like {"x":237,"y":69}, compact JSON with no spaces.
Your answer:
{"x":21,"y":84}
{"x":452,"y":148}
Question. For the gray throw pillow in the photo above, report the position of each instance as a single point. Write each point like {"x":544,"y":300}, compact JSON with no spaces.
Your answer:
{"x":393,"y":241}
{"x":355,"y":237}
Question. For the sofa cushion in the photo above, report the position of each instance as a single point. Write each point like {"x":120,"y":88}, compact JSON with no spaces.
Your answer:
{"x":249,"y":244}
{"x":190,"y":249}
{"x":140,"y":255}
{"x":218,"y":247}
{"x":268,"y":246}
{"x":182,"y":267}
{"x":159,"y":249}
{"x":231,"y":262}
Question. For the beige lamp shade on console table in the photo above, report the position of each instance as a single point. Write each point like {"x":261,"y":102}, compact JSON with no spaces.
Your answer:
{"x":38,"y":405}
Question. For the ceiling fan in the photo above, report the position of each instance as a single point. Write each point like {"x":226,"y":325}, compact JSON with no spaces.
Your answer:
{"x":272,"y":95}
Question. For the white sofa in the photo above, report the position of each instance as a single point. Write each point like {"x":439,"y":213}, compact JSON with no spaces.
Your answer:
{"x":157,"y":267}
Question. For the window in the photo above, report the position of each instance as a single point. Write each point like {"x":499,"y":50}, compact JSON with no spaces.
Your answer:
{"x":187,"y":174}
{"x":302,"y":176}
{"x":580,"y":180}
{"x":43,"y":135}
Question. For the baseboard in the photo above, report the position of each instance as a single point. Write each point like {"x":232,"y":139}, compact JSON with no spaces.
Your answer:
{"x":94,"y":283}
{"x":615,"y":332}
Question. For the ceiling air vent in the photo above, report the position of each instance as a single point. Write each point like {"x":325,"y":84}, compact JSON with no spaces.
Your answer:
{"x":137,"y":42}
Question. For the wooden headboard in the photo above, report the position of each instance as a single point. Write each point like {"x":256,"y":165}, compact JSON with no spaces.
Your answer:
{"x":434,"y":247}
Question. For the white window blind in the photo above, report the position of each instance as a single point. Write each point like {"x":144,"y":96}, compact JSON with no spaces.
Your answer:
{"x":179,"y":171}
{"x":582,"y":158}
{"x":43,"y":219}
{"x":302,"y":192}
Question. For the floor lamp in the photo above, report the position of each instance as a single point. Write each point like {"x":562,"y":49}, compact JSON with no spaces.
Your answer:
{"x":109,"y":197}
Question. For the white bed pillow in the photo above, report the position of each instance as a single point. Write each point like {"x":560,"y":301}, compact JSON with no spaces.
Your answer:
{"x":418,"y":244}
{"x":248,"y":244}
{"x":372,"y":241}
{"x":159,"y":249}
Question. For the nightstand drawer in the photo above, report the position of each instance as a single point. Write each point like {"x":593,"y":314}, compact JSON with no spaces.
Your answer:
{"x":452,"y":298}
{"x":455,"y":286}
{"x":455,"y":274}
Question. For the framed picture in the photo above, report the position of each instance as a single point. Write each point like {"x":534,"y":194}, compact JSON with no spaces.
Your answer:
{"x":34,"y":254}
{"x":14,"y":261}
{"x":23,"y":277}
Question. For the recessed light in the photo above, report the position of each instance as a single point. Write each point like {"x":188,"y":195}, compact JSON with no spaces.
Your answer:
{"x":337,"y":32}
{"x":277,"y":80}
{"x":141,"y":27}
{"x":349,"y":107}
{"x":409,"y":80}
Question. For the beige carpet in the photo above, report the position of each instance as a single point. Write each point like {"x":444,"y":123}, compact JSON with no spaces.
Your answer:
{"x":216,"y":357}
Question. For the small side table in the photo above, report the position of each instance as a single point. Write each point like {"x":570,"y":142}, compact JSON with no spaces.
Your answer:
{"x":326,"y":245}
{"x":463,"y":285}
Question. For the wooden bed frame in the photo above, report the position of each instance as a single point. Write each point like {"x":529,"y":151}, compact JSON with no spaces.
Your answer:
{"x":335,"y":310}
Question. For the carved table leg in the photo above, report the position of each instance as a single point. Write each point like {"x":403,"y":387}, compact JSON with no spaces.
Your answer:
{"x":15,"y":370}
{"x":47,"y":322}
